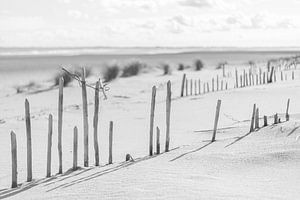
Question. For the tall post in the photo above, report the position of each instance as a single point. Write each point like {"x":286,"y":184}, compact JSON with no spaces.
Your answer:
{"x":111,"y":126}
{"x":14,"y":167}
{"x":29,"y":147}
{"x":265,"y":121}
{"x":252,"y":119}
{"x":168,"y":114}
{"x":152,"y":120}
{"x":182,"y":85}
{"x":75,"y":147}
{"x":95,"y":123}
{"x":218,"y":83}
{"x":85,"y":119}
{"x":212,"y":84}
{"x":191,"y":87}
{"x":199,"y":87}
{"x":49,"y":147}
{"x":287,"y":116}
{"x":186,"y":88}
{"x":216,"y":120}
{"x":60,"y":116}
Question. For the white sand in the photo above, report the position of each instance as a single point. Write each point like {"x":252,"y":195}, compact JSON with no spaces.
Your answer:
{"x":262,"y":165}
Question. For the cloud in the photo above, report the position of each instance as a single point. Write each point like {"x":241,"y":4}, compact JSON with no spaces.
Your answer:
{"x":195,"y":3}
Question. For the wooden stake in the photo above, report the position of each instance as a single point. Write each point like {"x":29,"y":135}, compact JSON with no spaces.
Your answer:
{"x":212,"y":85}
{"x":157,"y":140}
{"x":49,"y":147}
{"x":252,"y":119}
{"x":29,"y":147}
{"x":186,"y":88}
{"x":236,"y":79}
{"x":281,"y":76}
{"x":75,"y":148}
{"x":168,"y":114}
{"x":287,"y":116}
{"x":265,"y":121}
{"x":257,"y":119}
{"x":152,"y":120}
{"x":195,"y":82}
{"x":199,"y":86}
{"x":85,"y":119}
{"x":111,"y":129}
{"x":293,"y":75}
{"x":60,"y":116}
{"x":276,"y":118}
{"x":95,"y":123}
{"x":182,"y":85}
{"x":14,"y":167}
{"x":216,"y":120}
{"x":218,"y":83}
{"x":191,"y":85}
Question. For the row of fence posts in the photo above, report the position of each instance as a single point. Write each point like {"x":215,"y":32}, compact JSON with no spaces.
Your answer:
{"x":60,"y":125}
{"x":249,"y":78}
{"x":193,"y":87}
{"x":85,"y":128}
{"x":152,"y":116}
{"x":254,"y":122}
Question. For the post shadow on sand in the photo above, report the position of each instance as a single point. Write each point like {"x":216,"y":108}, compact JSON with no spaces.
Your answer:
{"x":10,"y":192}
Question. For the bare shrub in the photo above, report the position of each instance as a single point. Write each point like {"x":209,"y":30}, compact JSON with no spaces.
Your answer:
{"x":133,"y":68}
{"x":198,"y":65}
{"x":180,"y":67}
{"x":111,"y":72}
{"x":167,"y":69}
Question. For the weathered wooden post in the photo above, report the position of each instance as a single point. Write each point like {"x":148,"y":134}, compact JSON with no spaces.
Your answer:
{"x":199,"y":86}
{"x":75,"y":148}
{"x":218,"y":83}
{"x":260,"y":73}
{"x":222,"y":85}
{"x":247,"y":80}
{"x":29,"y":146}
{"x":257,"y":119}
{"x":252,"y":119}
{"x":85,"y":119}
{"x":157,"y":140}
{"x":216,"y":120}
{"x":152,"y":120}
{"x":14,"y":165}
{"x":195,"y":82}
{"x":186,"y":88}
{"x":226,"y":86}
{"x":287,"y":116}
{"x":95,"y":123}
{"x":265,"y":121}
{"x":281,"y":75}
{"x":60,"y":116}
{"x":191,"y":85}
{"x":270,"y":79}
{"x":111,"y":129}
{"x":276,"y":118}
{"x":293,"y":75}
{"x":244,"y":78}
{"x":49,"y":147}
{"x":212,"y":84}
{"x":241,"y":79}
{"x":182,"y":85}
{"x":264,"y":78}
{"x":207,"y":87}
{"x":168,"y":114}
{"x":236,"y":79}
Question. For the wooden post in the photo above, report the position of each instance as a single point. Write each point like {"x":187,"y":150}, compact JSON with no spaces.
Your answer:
{"x":218,"y":83}
{"x":265,"y":121}
{"x":222,"y":85}
{"x":247,"y":80}
{"x":152,"y":120}
{"x":182,"y":85}
{"x":14,"y":160}
{"x":157,"y":140}
{"x":270,"y":78}
{"x":276,"y":118}
{"x":281,"y":76}
{"x":95,"y":123}
{"x":212,"y":84}
{"x":207,"y":87}
{"x":241,"y":79}
{"x":264,"y":77}
{"x":111,"y":129}
{"x":195,"y":82}
{"x":168,"y":114}
{"x":257,"y":119}
{"x":191,"y":85}
{"x":85,"y":119}
{"x":29,"y":147}
{"x":186,"y":88}
{"x":199,"y":86}
{"x":60,"y":116}
{"x":244,"y":80}
{"x":252,"y":119}
{"x":287,"y":116}
{"x":49,"y":147}
{"x":260,"y":72}
{"x":275,"y":77}
{"x":236,"y":79}
{"x":216,"y":120}
{"x":293,"y":75}
{"x":75,"y":147}
{"x":226,"y":86}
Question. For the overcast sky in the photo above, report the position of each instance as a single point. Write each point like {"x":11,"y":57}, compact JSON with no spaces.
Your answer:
{"x":150,"y":23}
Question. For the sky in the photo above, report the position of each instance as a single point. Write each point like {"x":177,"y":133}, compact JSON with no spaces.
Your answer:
{"x":201,"y":23}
